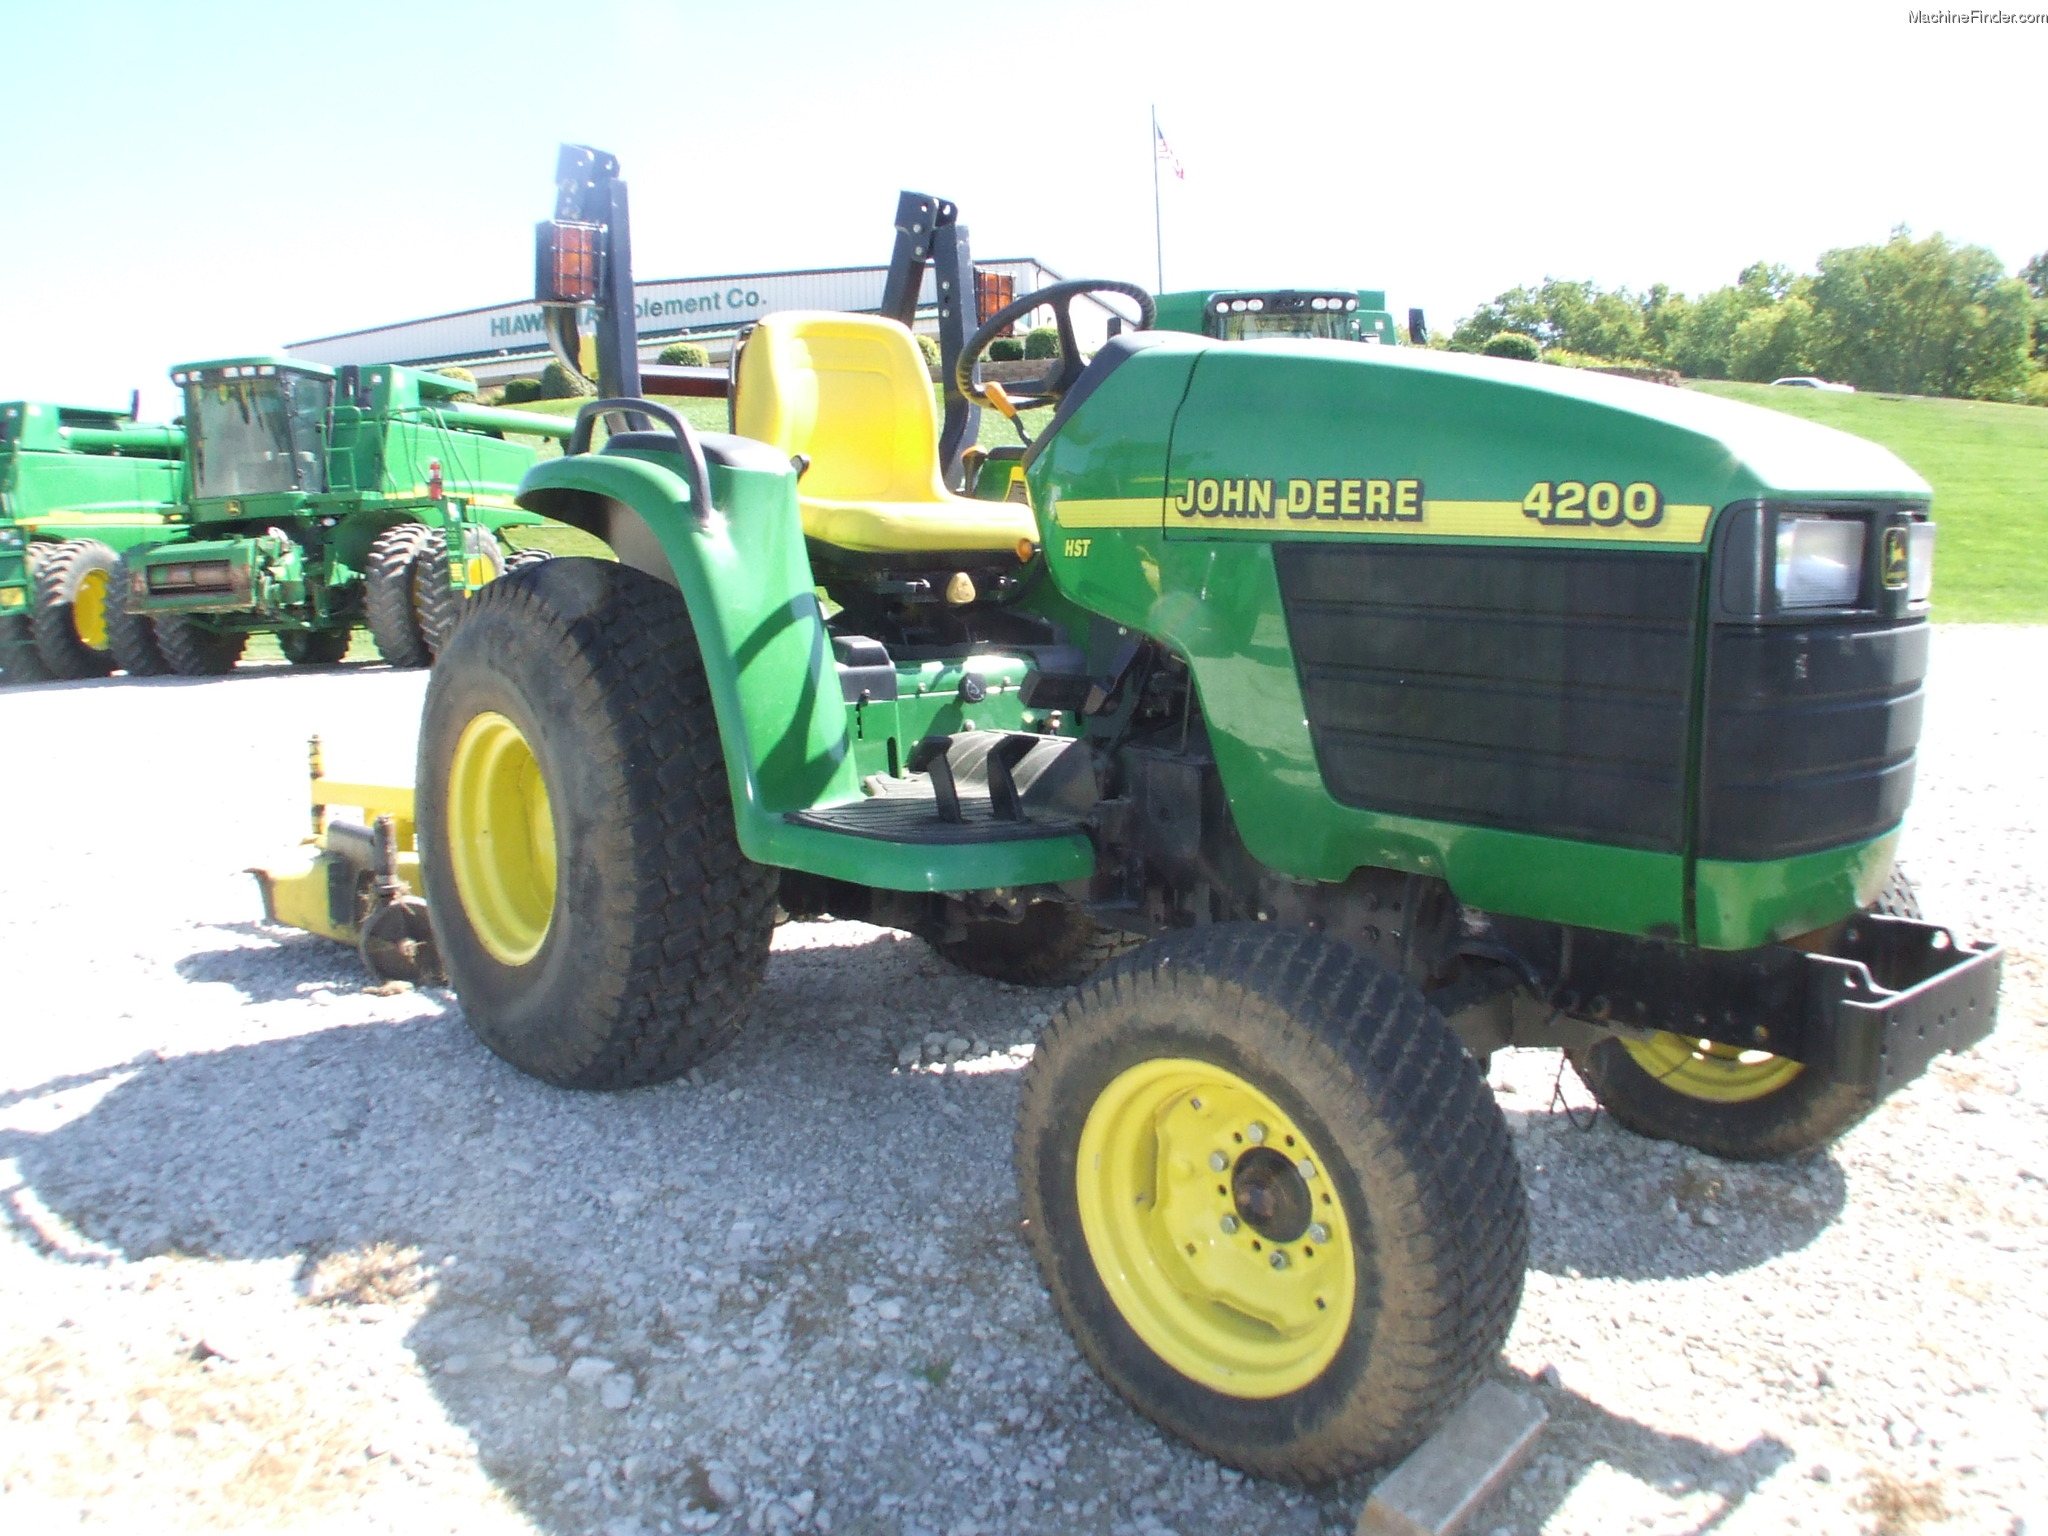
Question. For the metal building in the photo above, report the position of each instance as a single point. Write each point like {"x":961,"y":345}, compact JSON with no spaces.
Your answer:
{"x":505,"y":341}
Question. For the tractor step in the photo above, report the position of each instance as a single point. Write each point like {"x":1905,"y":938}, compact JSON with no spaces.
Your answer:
{"x":914,"y":819}
{"x":973,"y":787}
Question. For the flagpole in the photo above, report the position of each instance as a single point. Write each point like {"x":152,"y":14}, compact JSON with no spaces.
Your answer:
{"x":1158,"y":236}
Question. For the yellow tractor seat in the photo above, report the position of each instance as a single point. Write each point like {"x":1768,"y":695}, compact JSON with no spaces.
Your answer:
{"x":850,"y":392}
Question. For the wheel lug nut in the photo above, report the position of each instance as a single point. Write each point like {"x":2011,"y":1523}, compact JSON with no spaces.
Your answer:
{"x":1318,"y":1232}
{"x":1255,"y":1133}
{"x":1305,"y":1168}
{"x":1228,"y":1224}
{"x":1218,"y":1161}
{"x":1279,"y":1259}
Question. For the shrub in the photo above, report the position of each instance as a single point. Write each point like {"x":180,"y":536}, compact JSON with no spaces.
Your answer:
{"x":2035,"y":391}
{"x":558,"y":383}
{"x":1042,"y":341}
{"x":928,"y":348}
{"x":461,"y":376}
{"x":1005,"y":349}
{"x":519,"y":391}
{"x":1512,"y":344}
{"x":685,"y":354}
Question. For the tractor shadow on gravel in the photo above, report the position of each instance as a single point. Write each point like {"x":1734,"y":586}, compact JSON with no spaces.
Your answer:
{"x":1610,"y":1204}
{"x":793,"y":1280}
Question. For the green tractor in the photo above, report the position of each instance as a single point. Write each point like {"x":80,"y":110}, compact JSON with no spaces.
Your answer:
{"x":1384,"y":708}
{"x":321,"y":499}
{"x":78,"y":487}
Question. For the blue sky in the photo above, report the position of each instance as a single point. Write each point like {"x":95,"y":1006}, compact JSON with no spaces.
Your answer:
{"x":213,"y":177}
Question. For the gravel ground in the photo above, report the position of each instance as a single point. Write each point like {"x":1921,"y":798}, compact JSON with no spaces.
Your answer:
{"x":283,"y":1252}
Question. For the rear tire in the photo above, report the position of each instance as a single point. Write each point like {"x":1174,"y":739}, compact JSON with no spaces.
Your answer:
{"x":387,"y":596}
{"x":1389,"y":1203}
{"x":73,"y":584}
{"x":131,"y":636}
{"x":1057,"y":945}
{"x":434,"y":598}
{"x":1710,"y":1098}
{"x":191,"y":651}
{"x":595,"y":913}
{"x":314,"y":647}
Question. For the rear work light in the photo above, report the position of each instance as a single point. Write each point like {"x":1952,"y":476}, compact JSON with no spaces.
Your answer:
{"x":1920,"y":563}
{"x":565,"y":262}
{"x":1820,"y":562}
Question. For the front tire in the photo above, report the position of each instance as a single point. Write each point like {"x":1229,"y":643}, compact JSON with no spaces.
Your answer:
{"x":1747,"y":1106}
{"x":1273,"y":1200}
{"x":1056,"y":945}
{"x":387,"y":595}
{"x":132,"y":636}
{"x":594,"y":911}
{"x":74,"y":583}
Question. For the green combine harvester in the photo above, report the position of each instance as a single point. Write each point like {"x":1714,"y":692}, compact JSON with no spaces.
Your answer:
{"x":321,"y":499}
{"x":1263,"y":314}
{"x":1367,"y":709}
{"x":78,"y":487}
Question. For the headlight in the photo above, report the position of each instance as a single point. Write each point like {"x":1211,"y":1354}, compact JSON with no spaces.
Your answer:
{"x":1920,"y":563}
{"x":1820,"y":562}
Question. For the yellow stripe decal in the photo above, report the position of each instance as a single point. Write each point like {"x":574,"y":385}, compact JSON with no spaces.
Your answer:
{"x":103,"y":515}
{"x":1124,"y":512}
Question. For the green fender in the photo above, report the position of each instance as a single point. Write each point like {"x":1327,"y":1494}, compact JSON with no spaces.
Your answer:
{"x":746,"y":579}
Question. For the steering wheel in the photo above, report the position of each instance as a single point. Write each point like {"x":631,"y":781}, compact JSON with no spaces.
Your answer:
{"x":1066,"y":368}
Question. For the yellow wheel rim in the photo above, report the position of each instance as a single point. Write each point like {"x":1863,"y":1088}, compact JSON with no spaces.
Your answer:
{"x":89,"y":610}
{"x":1706,"y":1069}
{"x":501,"y":839}
{"x":1215,"y":1228}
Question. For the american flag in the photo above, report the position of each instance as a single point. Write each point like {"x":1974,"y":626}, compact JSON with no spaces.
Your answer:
{"x":1165,"y":152}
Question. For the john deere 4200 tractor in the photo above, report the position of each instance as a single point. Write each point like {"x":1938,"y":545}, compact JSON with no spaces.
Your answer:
{"x":1387,"y":707}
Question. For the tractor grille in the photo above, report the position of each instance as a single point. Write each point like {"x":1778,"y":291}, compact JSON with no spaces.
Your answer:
{"x":1811,"y":734}
{"x":1534,"y":690}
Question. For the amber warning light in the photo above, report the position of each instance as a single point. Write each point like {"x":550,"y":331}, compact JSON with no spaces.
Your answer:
{"x":565,"y":265}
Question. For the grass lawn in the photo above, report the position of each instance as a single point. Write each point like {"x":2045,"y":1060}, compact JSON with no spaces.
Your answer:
{"x":1988,"y":465}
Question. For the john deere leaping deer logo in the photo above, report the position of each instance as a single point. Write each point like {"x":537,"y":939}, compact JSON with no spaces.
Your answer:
{"x":1894,"y":559}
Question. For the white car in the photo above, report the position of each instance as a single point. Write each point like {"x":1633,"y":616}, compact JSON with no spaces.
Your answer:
{"x":1806,"y":381}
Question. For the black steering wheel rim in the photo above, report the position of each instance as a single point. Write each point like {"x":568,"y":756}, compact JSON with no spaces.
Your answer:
{"x":1059,"y":298}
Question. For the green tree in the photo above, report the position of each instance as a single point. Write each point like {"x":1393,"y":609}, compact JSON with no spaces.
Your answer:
{"x":1772,"y":340}
{"x":1921,"y":317}
{"x":2035,"y":275}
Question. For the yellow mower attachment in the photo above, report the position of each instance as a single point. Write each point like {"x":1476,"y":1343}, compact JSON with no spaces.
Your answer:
{"x":356,"y":881}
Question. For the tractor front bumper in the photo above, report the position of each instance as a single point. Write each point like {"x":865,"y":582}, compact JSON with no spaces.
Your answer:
{"x":1897,"y":994}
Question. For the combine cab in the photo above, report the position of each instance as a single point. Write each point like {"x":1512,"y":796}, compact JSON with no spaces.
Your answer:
{"x":1278,"y":313}
{"x":320,"y":500}
{"x":78,"y":486}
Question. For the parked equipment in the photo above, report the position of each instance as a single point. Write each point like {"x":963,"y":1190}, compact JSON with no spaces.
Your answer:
{"x":1409,"y":705}
{"x":78,"y":487}
{"x":321,"y":499}
{"x":1248,"y":314}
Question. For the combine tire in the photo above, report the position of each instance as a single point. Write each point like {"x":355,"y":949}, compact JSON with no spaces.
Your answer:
{"x":1747,"y":1106}
{"x":1273,"y":1200}
{"x":593,"y":908}
{"x":387,"y":596}
{"x":19,"y":662}
{"x":439,"y":605}
{"x":1055,"y":946}
{"x":132,"y":636}
{"x":195,"y":652}
{"x":74,"y":583}
{"x":314,"y":647}
{"x":526,"y":559}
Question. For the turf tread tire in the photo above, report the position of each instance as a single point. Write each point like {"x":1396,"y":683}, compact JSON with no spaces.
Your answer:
{"x":55,"y":581}
{"x":191,"y":651}
{"x":132,"y":636}
{"x":1413,"y":1136}
{"x":387,"y":595}
{"x":1807,"y":1113}
{"x":661,"y":926}
{"x":1056,"y":945}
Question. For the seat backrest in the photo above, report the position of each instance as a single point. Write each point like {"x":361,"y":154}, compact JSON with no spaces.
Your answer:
{"x":852,"y":393}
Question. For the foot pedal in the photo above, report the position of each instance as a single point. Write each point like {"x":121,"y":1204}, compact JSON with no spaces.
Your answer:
{"x":929,"y":756}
